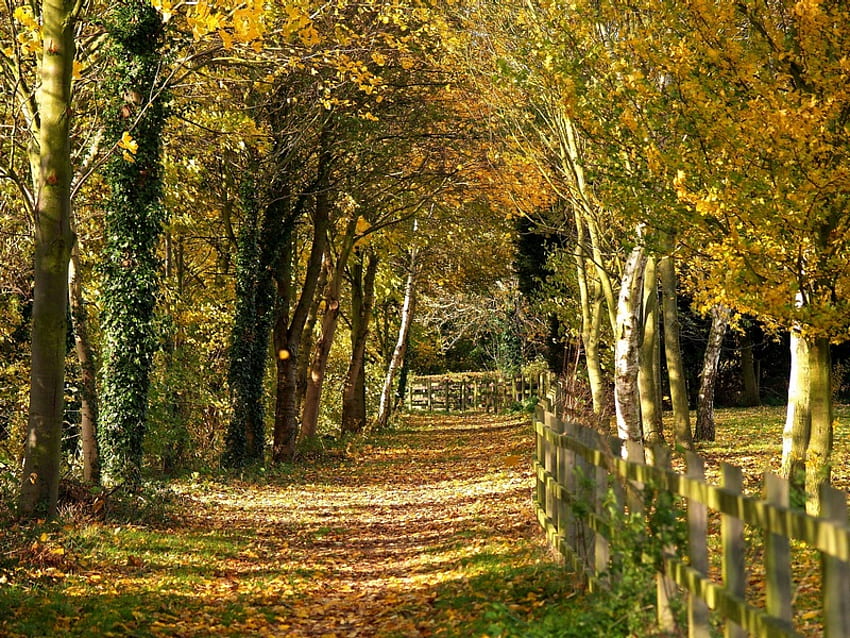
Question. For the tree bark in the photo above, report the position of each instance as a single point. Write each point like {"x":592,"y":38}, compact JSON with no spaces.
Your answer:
{"x":673,"y":355}
{"x":288,"y":337}
{"x":319,"y":360}
{"x":626,"y":349}
{"x":396,"y":361}
{"x":53,"y":241}
{"x":798,"y":415}
{"x":88,"y":374}
{"x":591,"y":321}
{"x":362,"y":302}
{"x":307,"y":339}
{"x":705,"y":430}
{"x":819,"y":452}
{"x":649,"y":380}
{"x":748,"y":372}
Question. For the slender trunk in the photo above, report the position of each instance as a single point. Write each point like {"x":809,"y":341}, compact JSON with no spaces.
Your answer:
{"x":649,"y":368}
{"x":673,"y":355}
{"x":748,"y":372}
{"x":704,"y":430}
{"x":53,"y":240}
{"x":362,"y":302}
{"x":591,"y":321}
{"x":626,"y":349}
{"x":798,"y":416}
{"x":319,"y":360}
{"x":819,"y":452}
{"x":397,"y":359}
{"x":88,"y":374}
{"x":288,"y":338}
{"x":307,"y":339}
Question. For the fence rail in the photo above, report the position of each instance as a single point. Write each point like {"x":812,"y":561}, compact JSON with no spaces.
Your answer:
{"x":579,"y":473}
{"x":472,"y":392}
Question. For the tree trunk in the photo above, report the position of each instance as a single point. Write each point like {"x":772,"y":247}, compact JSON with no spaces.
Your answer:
{"x":649,"y":381}
{"x":53,"y":240}
{"x":748,"y":372}
{"x":88,"y":374}
{"x":133,"y":228}
{"x":798,"y":416}
{"x":362,"y":301}
{"x":673,"y":355}
{"x":819,"y":452}
{"x":288,"y":337}
{"x":704,"y":430}
{"x":626,"y":348}
{"x":244,"y":442}
{"x":397,"y":359}
{"x":319,"y":360}
{"x":591,"y":321}
{"x":307,"y":339}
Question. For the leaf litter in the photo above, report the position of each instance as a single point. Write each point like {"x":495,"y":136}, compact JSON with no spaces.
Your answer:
{"x":382,"y":543}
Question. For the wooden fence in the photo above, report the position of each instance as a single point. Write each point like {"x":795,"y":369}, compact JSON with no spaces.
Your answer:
{"x":472,"y":392}
{"x":582,"y":476}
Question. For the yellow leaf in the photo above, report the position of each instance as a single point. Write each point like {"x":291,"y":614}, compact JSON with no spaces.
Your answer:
{"x":128,"y":144}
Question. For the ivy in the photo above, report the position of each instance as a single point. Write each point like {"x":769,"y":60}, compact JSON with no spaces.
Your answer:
{"x":251,"y":324}
{"x":134,"y":118}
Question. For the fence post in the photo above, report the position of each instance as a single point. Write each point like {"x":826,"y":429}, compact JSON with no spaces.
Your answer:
{"x":602,"y":549}
{"x":733,"y":546}
{"x":463,"y":383}
{"x":567,"y":477}
{"x":777,"y":555}
{"x":540,"y":442}
{"x":697,"y":550}
{"x":836,"y":572}
{"x":664,"y":585}
{"x":430,"y":397}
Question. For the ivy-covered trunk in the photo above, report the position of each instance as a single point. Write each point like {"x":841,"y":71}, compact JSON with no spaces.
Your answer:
{"x":244,"y":442}
{"x":134,"y":119}
{"x":53,"y":241}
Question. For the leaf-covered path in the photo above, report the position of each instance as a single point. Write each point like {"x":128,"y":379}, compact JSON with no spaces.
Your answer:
{"x":422,"y":532}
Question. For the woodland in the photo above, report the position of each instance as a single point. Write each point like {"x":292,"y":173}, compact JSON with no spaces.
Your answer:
{"x":230,"y":231}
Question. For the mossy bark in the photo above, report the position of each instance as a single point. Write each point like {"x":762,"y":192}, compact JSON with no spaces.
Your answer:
{"x":649,"y":377}
{"x":819,"y":452}
{"x":673,"y":355}
{"x":53,"y":241}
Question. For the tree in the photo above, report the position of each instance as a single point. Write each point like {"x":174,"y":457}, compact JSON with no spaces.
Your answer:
{"x":54,"y":240}
{"x":134,"y":218}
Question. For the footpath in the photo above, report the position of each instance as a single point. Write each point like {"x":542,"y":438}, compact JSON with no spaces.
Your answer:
{"x":425,"y":531}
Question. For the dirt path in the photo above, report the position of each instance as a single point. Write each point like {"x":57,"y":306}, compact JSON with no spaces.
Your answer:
{"x":423,"y":532}
{"x":362,"y":548}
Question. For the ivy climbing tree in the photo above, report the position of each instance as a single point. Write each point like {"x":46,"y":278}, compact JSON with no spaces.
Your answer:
{"x":134,"y":216}
{"x":250,"y":338}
